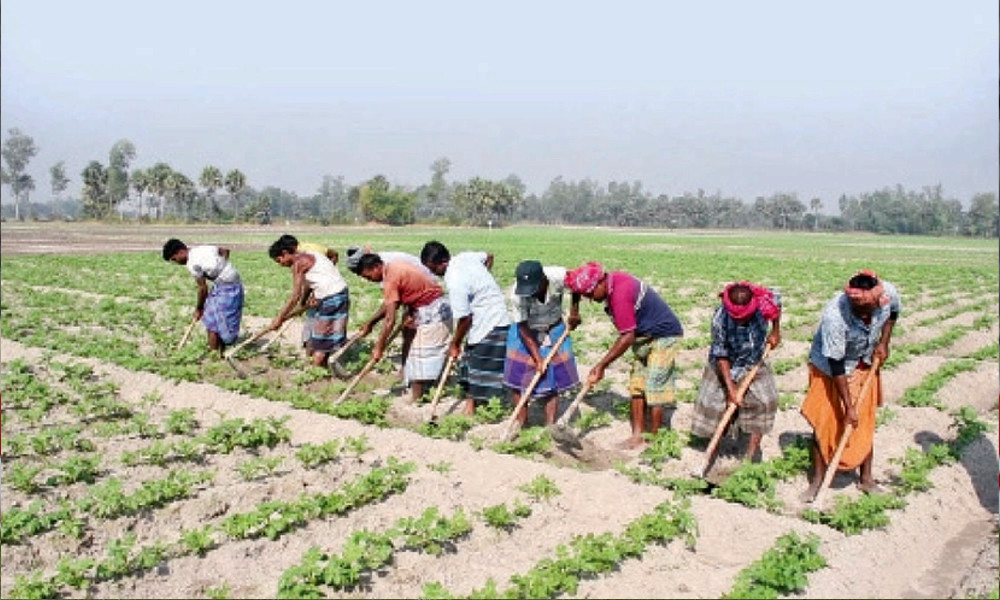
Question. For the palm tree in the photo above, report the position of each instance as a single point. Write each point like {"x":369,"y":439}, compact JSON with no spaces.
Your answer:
{"x":139,"y":180}
{"x":815,"y":204}
{"x":211,"y":179}
{"x":156,"y":182}
{"x":235,"y":181}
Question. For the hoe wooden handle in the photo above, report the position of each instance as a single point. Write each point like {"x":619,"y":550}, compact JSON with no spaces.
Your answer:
{"x":831,"y":469}
{"x":741,"y":391}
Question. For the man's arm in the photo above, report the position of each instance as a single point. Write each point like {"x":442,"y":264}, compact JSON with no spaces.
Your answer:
{"x":199,"y":306}
{"x":388,"y":310}
{"x":529,"y":342}
{"x":461,"y":328}
{"x":300,"y":292}
{"x":725,"y":368}
{"x":881,"y":351}
{"x":774,"y":338}
{"x":623,"y":343}
{"x":574,"y":319}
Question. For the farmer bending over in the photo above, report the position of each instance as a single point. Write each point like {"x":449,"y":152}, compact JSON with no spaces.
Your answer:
{"x":426,"y":313}
{"x":538,"y":296}
{"x":854,"y":331}
{"x":647,"y":325}
{"x":739,"y":336}
{"x":479,"y":310}
{"x":220,"y":309}
{"x":316,"y":283}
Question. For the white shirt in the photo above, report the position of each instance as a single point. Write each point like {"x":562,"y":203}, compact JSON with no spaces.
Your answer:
{"x":473,"y":291}
{"x":205,"y":262}
{"x":323,"y":277}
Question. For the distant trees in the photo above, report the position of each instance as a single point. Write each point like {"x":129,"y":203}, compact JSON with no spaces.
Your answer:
{"x":95,"y":190}
{"x":17,"y":152}
{"x":382,"y":203}
{"x":235,"y":182}
{"x":483,"y":202}
{"x":211,"y":179}
{"x":984,"y":216}
{"x":119,"y":158}
{"x":161,"y":192}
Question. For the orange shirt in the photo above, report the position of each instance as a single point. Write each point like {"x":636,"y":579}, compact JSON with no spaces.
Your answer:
{"x":407,"y":284}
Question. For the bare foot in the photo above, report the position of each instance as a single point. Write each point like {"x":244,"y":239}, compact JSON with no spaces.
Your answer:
{"x":809,"y":495}
{"x":871,"y":487}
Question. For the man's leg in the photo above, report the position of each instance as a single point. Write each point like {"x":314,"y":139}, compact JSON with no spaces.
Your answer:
{"x":470,"y":407}
{"x":818,"y":471}
{"x":215,"y":342}
{"x":551,"y":408}
{"x":638,"y":410}
{"x":416,"y":391}
{"x":522,"y":415}
{"x":753,"y":445}
{"x":867,"y":483}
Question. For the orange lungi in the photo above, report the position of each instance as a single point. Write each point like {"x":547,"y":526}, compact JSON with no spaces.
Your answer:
{"x":825,"y":412}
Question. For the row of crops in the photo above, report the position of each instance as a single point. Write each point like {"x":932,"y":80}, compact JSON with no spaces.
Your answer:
{"x":80,"y":461}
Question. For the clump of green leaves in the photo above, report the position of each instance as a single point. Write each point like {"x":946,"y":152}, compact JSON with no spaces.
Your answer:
{"x":181,"y":421}
{"x":755,"y":484}
{"x":968,"y":428}
{"x":540,"y":488}
{"x":530,"y":441}
{"x":255,"y":468}
{"x":499,"y":516}
{"x":440,"y":467}
{"x":449,"y":427}
{"x":781,"y":571}
{"x":234,"y":433}
{"x":854,"y":516}
{"x":662,"y":445}
{"x":494,"y":411}
{"x":314,"y":455}
{"x":593,"y":419}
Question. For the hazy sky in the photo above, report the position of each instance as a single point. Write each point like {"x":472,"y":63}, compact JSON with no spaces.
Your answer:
{"x":746,"y":98}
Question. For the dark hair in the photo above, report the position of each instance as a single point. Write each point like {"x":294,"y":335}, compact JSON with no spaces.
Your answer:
{"x":740,"y":294}
{"x":289,"y":239}
{"x":368,"y":261}
{"x":434,"y":253}
{"x":172,"y":247}
{"x":280,"y":246}
{"x":863,"y":281}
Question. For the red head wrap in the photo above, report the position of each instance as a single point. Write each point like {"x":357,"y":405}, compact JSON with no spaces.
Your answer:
{"x":873,"y":297}
{"x":762,"y":300}
{"x":584,"y":279}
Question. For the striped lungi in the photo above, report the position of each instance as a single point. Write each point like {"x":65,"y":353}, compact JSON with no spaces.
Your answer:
{"x":224,"y":310}
{"x":429,"y":347}
{"x":327,"y":323}
{"x":756,"y":415}
{"x":654,"y":369}
{"x":561,"y":373}
{"x":481,"y":372}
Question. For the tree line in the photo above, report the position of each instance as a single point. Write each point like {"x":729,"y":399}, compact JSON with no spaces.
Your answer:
{"x":116,"y":190}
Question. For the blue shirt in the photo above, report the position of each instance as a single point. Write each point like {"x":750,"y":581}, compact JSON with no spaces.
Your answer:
{"x":843,"y":336}
{"x":743,"y":345}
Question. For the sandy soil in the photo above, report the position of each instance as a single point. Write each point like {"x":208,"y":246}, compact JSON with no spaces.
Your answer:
{"x":943,"y":544}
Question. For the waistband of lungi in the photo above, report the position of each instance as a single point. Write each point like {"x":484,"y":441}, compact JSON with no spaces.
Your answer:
{"x":437,"y":311}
